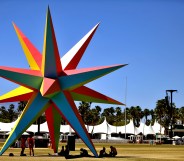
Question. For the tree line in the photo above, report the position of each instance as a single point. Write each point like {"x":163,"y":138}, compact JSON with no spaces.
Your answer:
{"x":114,"y":115}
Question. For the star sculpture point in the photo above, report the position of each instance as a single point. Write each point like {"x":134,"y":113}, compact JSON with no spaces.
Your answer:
{"x":51,"y":85}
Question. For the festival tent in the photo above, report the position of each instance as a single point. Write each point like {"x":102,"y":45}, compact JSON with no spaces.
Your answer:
{"x":101,"y":128}
{"x":130,"y":128}
{"x":106,"y":128}
{"x":113,"y":129}
{"x":121,"y":129}
{"x":66,"y":129}
{"x":141,"y":127}
{"x":148,"y":130}
{"x":44,"y":127}
{"x":6,"y":127}
{"x":24,"y":133}
{"x":33,"y":128}
{"x":89,"y":128}
{"x":93,"y":129}
{"x":176,"y":137}
{"x":158,"y":128}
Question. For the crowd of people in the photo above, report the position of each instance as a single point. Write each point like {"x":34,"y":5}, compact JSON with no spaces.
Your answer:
{"x":64,"y":150}
{"x":84,"y":152}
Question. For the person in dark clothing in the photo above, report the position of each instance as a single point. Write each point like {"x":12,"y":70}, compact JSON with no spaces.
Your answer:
{"x":103,"y":153}
{"x":113,"y":151}
{"x":23,"y":145}
{"x":84,"y":152}
{"x":66,"y":152}
{"x":62,"y":152}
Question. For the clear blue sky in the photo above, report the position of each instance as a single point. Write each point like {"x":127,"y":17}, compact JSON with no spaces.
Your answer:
{"x":146,"y":34}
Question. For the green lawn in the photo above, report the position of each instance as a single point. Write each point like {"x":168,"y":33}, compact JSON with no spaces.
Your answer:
{"x":126,"y":152}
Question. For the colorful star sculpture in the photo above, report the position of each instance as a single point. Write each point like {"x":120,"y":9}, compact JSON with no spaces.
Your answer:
{"x":51,"y":85}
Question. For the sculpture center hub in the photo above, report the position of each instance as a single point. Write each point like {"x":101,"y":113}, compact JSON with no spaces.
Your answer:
{"x":49,"y":87}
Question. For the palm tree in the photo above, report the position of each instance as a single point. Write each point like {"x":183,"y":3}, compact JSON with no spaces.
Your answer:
{"x":146,"y":113}
{"x":119,"y":116}
{"x":137,"y":115}
{"x":181,"y":114}
{"x":140,"y":115}
{"x":21,"y":106}
{"x":176,"y":115}
{"x":3,"y":114}
{"x":84,"y":108}
{"x":12,"y":114}
{"x":128,"y":115}
{"x":93,"y":116}
{"x":98,"y":108}
{"x":133,"y":113}
{"x":109,"y":113}
{"x":8,"y":115}
{"x":162,"y":113}
{"x":152,"y":113}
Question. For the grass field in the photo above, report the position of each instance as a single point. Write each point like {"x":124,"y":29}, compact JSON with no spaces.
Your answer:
{"x":126,"y":152}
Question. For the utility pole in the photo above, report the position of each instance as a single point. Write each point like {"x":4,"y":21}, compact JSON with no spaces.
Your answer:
{"x":171,"y":109}
{"x":125,"y":106}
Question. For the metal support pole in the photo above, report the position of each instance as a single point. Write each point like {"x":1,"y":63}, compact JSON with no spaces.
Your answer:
{"x":171,"y":111}
{"x":125,"y":106}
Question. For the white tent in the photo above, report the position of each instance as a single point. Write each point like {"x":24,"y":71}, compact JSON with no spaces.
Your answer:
{"x":130,"y":128}
{"x":148,"y":130}
{"x":66,"y":129}
{"x":158,"y":128}
{"x":101,"y":128}
{"x":24,"y":133}
{"x":32,"y":128}
{"x":176,"y":137}
{"x":44,"y":127}
{"x":6,"y":127}
{"x":113,"y":129}
{"x":141,"y":127}
{"x":105,"y":128}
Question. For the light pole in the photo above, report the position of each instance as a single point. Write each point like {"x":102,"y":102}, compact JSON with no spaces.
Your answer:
{"x":125,"y":106}
{"x":171,"y":108}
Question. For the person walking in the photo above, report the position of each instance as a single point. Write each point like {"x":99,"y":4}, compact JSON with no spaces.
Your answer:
{"x":31,"y":145}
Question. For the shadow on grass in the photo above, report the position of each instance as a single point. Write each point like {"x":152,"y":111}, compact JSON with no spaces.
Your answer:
{"x":127,"y":157}
{"x":68,"y":157}
{"x":79,"y":156}
{"x":74,"y":156}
